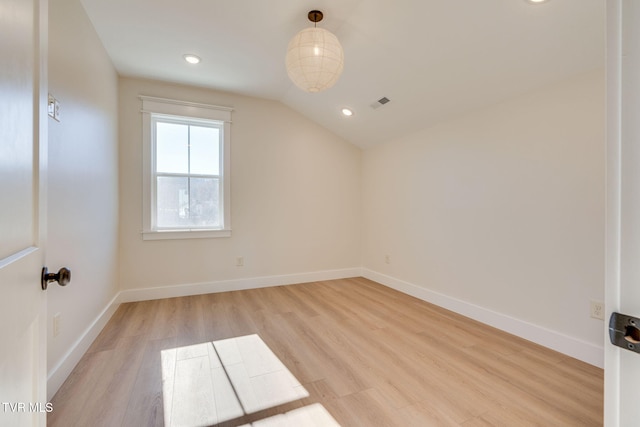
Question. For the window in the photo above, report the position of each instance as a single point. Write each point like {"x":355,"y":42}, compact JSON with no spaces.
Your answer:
{"x":186,"y":169}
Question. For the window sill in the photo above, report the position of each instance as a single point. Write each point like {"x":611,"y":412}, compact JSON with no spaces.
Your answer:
{"x":184,"y":234}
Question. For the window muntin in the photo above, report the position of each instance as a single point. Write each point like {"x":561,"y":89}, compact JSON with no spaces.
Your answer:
{"x":186,"y":185}
{"x":187,"y":173}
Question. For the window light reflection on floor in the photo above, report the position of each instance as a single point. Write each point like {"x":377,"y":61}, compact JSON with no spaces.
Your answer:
{"x":208,"y":383}
{"x":308,"y":416}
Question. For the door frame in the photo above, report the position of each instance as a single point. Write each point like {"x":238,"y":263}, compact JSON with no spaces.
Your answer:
{"x":612,"y":206}
{"x":622,"y":260}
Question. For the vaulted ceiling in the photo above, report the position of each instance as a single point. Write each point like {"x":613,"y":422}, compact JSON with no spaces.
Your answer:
{"x":434,"y":59}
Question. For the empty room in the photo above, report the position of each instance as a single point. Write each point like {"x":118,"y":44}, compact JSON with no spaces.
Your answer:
{"x":354,"y":213}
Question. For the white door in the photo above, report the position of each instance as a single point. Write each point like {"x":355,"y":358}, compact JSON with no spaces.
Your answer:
{"x":23,"y":25}
{"x":622,"y":289}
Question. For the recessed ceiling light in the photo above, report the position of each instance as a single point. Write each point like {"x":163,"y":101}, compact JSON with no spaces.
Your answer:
{"x":536,"y":1}
{"x":191,"y":59}
{"x":347,"y":112}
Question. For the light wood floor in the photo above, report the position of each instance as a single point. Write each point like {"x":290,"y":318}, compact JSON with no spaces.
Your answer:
{"x":370,"y":355}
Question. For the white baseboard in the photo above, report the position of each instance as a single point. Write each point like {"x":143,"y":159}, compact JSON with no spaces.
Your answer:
{"x":61,"y":371}
{"x":145,"y":294}
{"x":570,"y":346}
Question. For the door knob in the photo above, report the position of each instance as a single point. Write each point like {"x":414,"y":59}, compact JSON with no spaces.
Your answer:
{"x":63,"y":277}
{"x":624,"y":331}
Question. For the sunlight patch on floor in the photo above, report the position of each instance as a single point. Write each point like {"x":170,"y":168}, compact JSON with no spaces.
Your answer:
{"x":208,"y":383}
{"x":308,"y":416}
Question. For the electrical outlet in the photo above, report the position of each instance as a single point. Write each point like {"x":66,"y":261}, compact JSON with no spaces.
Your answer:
{"x":387,"y":259}
{"x":239,"y":261}
{"x":597,"y":309}
{"x":56,"y":324}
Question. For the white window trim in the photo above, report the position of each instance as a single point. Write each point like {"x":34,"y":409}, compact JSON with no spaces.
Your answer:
{"x":188,"y":110}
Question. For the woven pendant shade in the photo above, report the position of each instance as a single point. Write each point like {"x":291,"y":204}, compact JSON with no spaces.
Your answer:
{"x":314,"y":59}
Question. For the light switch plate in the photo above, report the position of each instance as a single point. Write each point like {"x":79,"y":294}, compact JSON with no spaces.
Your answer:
{"x":53,"y":108}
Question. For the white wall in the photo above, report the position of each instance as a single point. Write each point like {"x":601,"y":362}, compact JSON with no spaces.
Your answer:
{"x":295,"y":197}
{"x":500,"y":211}
{"x":83,"y":183}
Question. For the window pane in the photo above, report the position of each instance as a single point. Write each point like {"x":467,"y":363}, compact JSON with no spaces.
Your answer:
{"x":172,"y":201}
{"x":172,"y":149}
{"x":205,"y":202}
{"x":188,"y":202}
{"x":205,"y":150}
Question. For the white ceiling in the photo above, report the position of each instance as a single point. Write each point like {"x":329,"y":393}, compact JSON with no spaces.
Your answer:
{"x":433,"y":59}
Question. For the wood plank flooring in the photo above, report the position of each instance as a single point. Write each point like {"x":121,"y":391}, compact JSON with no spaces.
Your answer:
{"x":369,"y":355}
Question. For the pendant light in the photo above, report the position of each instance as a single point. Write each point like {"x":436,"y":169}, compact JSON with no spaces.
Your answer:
{"x":314,"y":57}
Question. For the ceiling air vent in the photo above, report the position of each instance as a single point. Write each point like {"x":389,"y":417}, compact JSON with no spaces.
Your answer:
{"x":380,"y":102}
